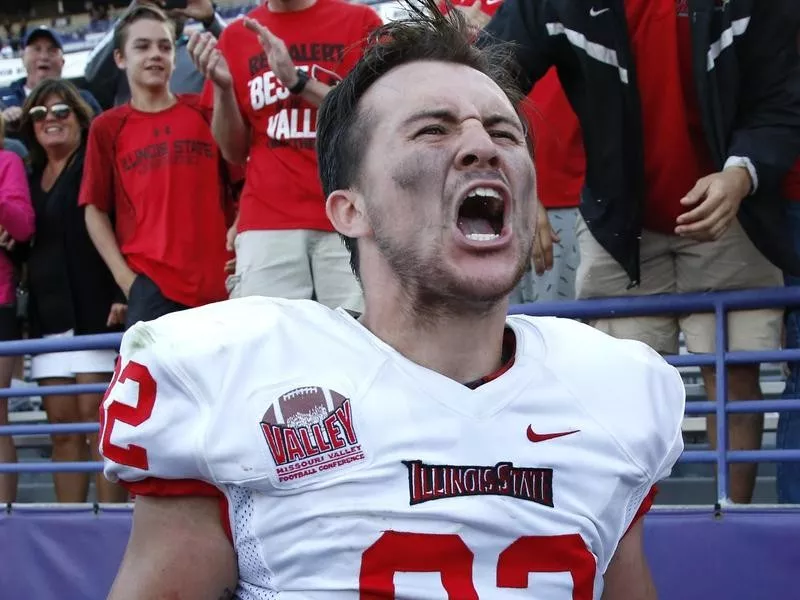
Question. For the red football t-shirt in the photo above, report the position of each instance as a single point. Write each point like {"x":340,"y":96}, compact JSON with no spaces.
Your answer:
{"x":282,"y":188}
{"x":556,"y":134}
{"x":675,"y":152}
{"x":160,"y":175}
{"x":791,"y":185}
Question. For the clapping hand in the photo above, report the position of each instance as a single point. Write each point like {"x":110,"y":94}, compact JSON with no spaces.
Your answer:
{"x":278,"y":56}
{"x":208,"y":60}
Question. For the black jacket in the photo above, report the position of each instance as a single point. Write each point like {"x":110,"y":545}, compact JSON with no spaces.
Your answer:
{"x":69,"y":284}
{"x":747,"y":75}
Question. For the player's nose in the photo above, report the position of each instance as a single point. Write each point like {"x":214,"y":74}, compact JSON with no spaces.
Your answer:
{"x":478,"y":149}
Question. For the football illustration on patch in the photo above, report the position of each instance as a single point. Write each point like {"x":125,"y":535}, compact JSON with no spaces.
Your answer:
{"x":309,"y":430}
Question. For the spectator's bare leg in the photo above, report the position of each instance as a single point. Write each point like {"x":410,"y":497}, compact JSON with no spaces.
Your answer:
{"x":88,"y":407}
{"x":744,"y":430}
{"x":8,"y":452}
{"x":70,"y":487}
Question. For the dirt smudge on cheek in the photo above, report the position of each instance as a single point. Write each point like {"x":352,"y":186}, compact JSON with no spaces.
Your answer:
{"x":419,"y":171}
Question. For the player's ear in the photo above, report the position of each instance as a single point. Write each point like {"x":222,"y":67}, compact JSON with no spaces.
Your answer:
{"x":119,"y":58}
{"x":345,"y":209}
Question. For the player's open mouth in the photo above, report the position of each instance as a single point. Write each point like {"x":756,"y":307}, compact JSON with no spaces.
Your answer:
{"x":481,"y":215}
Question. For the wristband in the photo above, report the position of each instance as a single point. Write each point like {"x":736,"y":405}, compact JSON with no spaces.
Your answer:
{"x":212,"y":18}
{"x":302,"y":81}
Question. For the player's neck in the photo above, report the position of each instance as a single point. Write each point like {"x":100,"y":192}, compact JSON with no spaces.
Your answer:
{"x":289,"y":5}
{"x":151,"y":99}
{"x":462,"y":347}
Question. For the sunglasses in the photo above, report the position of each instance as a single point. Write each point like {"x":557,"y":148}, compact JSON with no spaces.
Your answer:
{"x":59,"y":111}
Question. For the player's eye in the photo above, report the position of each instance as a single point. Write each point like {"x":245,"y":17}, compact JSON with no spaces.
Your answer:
{"x":504,"y":134}
{"x":431,"y":130}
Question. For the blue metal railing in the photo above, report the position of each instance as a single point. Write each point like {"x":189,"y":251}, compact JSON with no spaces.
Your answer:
{"x":720,"y":303}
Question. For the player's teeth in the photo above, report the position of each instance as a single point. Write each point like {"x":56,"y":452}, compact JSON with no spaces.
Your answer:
{"x":482,"y":237}
{"x":485,"y":191}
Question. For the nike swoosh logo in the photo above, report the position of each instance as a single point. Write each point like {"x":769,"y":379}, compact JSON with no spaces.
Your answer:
{"x":543,"y":437}
{"x":594,"y":13}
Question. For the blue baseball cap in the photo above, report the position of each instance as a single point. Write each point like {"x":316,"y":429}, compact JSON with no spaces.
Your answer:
{"x":43,"y":31}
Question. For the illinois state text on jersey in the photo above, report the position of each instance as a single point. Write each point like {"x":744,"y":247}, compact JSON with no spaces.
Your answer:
{"x":351,"y":472}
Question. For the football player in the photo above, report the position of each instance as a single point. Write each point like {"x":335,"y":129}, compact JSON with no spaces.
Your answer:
{"x":432,"y":446}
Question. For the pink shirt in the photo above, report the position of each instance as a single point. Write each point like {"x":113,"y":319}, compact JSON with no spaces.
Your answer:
{"x":16,"y":215}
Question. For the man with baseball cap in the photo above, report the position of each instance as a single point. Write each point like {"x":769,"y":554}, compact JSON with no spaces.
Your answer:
{"x":43,"y":58}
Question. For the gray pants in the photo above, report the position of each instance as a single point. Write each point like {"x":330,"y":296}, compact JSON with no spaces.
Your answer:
{"x":559,"y":282}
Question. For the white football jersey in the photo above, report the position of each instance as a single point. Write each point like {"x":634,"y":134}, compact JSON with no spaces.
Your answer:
{"x":352,"y":472}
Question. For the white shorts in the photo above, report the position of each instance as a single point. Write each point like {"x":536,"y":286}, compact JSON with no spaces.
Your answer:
{"x":70,"y":364}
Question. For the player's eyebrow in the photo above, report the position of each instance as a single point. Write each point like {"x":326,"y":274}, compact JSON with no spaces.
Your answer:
{"x":447,"y":116}
{"x":148,"y":40}
{"x":498,"y":119}
{"x":437,"y":114}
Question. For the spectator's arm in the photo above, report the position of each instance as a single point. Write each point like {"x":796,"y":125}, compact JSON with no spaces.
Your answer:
{"x":523,"y":24}
{"x":16,"y":210}
{"x":98,"y":224}
{"x":228,"y":126}
{"x":767,"y":129}
{"x":315,"y":92}
{"x":97,"y":195}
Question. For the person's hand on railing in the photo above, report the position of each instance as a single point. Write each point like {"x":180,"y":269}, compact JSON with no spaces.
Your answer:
{"x":116,"y":316}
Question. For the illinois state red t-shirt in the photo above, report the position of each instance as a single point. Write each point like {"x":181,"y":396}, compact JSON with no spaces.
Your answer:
{"x":160,"y":174}
{"x":282,"y":188}
{"x":555,"y":131}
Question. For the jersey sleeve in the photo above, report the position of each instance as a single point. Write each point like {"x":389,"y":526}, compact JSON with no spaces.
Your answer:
{"x":153,"y":418}
{"x":646,"y":408}
{"x":97,"y":184}
{"x":668,"y":404}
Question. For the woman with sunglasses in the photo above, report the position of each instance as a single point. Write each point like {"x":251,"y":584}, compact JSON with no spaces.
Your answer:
{"x":71,"y":292}
{"x":16,"y":225}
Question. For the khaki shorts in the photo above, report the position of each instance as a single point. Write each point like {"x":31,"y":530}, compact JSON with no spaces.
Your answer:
{"x":674,"y":265}
{"x":295,"y":264}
